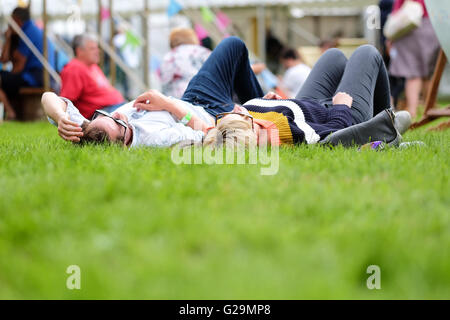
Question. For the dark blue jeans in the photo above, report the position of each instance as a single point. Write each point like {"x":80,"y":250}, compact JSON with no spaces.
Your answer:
{"x":363,"y":76}
{"x":226,"y":71}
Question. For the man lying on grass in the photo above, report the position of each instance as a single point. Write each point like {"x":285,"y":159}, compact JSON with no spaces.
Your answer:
{"x":322,"y":106}
{"x":127,"y":126}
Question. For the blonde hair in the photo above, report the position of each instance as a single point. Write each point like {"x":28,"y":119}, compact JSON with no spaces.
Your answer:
{"x":231,"y":132}
{"x":179,"y":36}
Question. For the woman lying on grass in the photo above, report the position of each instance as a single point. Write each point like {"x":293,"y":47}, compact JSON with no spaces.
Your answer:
{"x":337,"y":94}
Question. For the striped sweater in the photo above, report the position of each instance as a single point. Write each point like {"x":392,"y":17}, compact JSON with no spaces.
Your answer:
{"x":300,"y":121}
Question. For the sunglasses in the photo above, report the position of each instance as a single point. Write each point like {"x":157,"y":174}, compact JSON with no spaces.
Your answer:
{"x":100,"y":113}
{"x":221,"y":115}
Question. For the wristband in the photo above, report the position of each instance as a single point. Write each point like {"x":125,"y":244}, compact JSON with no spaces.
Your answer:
{"x":186,"y":118}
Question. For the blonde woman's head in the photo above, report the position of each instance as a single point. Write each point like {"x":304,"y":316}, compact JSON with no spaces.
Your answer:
{"x":233,"y":131}
{"x":179,"y":36}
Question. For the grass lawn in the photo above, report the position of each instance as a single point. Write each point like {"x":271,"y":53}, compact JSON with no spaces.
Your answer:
{"x":140,"y":226}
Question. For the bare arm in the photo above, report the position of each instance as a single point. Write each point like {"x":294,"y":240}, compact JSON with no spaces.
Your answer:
{"x":17,"y":58}
{"x":4,"y":58}
{"x":56,"y":108}
{"x":179,"y":111}
{"x":19,"y":62}
{"x":159,"y":102}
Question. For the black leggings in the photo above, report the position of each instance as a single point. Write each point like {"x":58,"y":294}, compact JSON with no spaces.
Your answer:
{"x":363,"y":76}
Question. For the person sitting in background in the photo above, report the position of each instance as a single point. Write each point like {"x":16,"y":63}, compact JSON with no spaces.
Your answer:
{"x":296,"y":72}
{"x":84,"y":83}
{"x":9,"y":51}
{"x":183,"y":61}
{"x":27,"y":69}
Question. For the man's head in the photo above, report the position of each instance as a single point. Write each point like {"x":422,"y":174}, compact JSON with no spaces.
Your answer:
{"x":85,"y":48}
{"x":290,"y":58}
{"x":21,"y":15}
{"x":104,"y":129}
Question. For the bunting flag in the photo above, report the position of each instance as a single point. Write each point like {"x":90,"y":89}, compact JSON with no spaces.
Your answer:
{"x":132,"y":39}
{"x":200,"y":31}
{"x":222,"y":21}
{"x":207,"y":14}
{"x":173,"y":8}
{"x":105,"y":13}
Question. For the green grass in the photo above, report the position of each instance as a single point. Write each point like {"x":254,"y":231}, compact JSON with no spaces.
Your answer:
{"x":141,"y":227}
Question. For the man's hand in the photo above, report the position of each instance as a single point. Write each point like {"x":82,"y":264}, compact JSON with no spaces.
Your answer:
{"x":69,"y":130}
{"x":272,"y":96}
{"x":343,"y":98}
{"x":152,"y":100}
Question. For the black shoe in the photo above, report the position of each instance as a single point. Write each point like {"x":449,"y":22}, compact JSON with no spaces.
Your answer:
{"x":402,"y":121}
{"x":379,"y":128}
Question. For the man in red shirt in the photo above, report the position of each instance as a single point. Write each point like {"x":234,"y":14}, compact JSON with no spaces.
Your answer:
{"x":84,"y":83}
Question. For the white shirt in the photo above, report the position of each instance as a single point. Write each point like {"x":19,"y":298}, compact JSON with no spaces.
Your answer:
{"x":294,"y":78}
{"x":153,"y":128}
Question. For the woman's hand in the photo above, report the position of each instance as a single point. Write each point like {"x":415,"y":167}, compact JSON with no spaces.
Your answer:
{"x":343,"y":98}
{"x":239,"y":109}
{"x":152,"y":100}
{"x":69,"y":130}
{"x":272,"y":96}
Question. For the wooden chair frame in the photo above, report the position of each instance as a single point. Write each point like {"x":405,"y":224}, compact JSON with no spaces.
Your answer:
{"x":431,"y":113}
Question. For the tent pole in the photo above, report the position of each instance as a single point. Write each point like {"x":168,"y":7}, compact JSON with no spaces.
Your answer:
{"x":46,"y":75}
{"x":146,"y":47}
{"x":112,"y":63}
{"x":99,"y":32}
{"x":261,"y":18}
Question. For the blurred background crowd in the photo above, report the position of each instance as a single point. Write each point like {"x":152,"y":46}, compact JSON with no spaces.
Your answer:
{"x":103,"y":53}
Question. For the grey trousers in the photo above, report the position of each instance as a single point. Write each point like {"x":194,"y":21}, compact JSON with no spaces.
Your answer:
{"x":363,"y":76}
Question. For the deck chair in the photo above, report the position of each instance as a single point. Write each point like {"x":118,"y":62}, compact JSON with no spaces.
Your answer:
{"x":438,"y":12}
{"x":431,"y":113}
